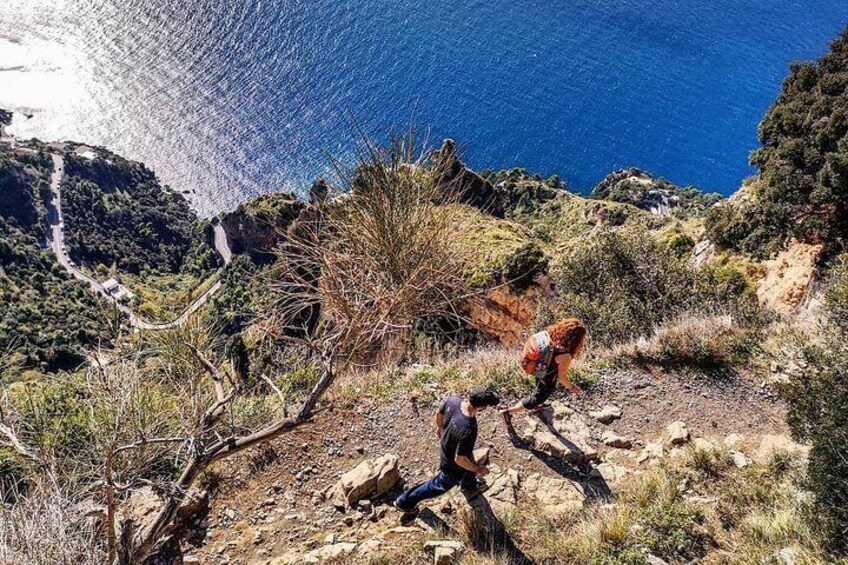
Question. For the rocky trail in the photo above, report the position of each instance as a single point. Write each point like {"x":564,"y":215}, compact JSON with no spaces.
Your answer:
{"x":323,"y":492}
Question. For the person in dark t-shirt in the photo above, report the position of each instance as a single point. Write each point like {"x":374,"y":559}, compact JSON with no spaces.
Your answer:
{"x":456,"y":427}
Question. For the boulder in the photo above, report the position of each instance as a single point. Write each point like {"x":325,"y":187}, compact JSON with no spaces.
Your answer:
{"x":771,"y":444}
{"x":607,"y":414}
{"x":444,"y":552}
{"x":654,"y":560}
{"x":678,"y":433}
{"x":703,"y":445}
{"x":612,"y":439}
{"x":328,"y":553}
{"x":574,"y":449}
{"x":504,"y":487}
{"x":555,"y":496}
{"x":651,"y":451}
{"x":740,"y":461}
{"x":481,"y":455}
{"x":611,"y":473}
{"x":560,"y":410}
{"x":369,"y":479}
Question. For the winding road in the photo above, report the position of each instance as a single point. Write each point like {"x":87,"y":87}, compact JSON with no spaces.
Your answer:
{"x":56,"y":240}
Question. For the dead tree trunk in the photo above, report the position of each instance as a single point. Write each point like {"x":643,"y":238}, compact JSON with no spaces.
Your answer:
{"x":144,"y":544}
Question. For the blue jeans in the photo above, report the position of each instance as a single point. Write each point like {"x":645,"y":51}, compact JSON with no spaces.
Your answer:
{"x":437,"y":486}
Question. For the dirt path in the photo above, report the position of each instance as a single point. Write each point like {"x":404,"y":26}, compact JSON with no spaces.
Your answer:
{"x":266,"y":505}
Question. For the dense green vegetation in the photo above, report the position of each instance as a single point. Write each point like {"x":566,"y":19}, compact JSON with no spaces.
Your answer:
{"x":624,"y":283}
{"x":46,"y":318}
{"x":639,"y":188}
{"x":802,"y":190}
{"x":117,"y":213}
{"x":818,"y":403}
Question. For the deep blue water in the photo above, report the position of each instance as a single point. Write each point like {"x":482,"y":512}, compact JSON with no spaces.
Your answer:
{"x":231,"y":99}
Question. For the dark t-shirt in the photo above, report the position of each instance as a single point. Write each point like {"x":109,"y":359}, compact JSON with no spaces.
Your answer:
{"x":459,"y":434}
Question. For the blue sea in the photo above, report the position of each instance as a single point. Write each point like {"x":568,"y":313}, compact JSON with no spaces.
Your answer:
{"x":231,"y":98}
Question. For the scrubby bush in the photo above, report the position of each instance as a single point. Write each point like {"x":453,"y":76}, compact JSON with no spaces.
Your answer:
{"x":707,"y":342}
{"x":621,"y":283}
{"x":624,"y":283}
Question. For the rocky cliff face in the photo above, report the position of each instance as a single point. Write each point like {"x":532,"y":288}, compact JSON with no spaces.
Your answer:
{"x":459,"y":182}
{"x":255,"y":227}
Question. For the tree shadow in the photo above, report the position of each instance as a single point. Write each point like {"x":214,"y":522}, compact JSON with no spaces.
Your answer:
{"x":488,"y":535}
{"x":593,"y":485}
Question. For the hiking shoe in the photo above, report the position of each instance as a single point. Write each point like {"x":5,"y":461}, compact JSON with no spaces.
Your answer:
{"x":411,"y":512}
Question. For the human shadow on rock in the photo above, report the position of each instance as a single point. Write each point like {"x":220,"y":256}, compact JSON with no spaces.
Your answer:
{"x":593,"y":485}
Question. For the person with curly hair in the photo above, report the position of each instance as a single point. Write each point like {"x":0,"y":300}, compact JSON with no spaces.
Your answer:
{"x":548,"y":356}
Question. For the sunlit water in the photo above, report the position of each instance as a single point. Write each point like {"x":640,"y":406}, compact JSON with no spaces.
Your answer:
{"x":232,"y":98}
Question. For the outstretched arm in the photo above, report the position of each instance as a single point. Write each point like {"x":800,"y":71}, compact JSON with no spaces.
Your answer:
{"x":563,"y":364}
{"x":469,"y":465}
{"x":440,"y":421}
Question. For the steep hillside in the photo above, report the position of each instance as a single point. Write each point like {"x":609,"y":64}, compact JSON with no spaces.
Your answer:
{"x":47,"y":319}
{"x":117,"y":213}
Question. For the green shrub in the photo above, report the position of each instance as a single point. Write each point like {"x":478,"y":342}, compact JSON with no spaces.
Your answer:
{"x":621,"y":283}
{"x":818,"y":404}
{"x":624,"y":284}
{"x":802,"y":190}
{"x":681,"y":244}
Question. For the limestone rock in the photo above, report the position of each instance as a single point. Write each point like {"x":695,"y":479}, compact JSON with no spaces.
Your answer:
{"x":573,"y":448}
{"x":654,"y":560}
{"x":703,"y":445}
{"x":607,"y":414}
{"x":612,"y":439}
{"x":504,"y":487}
{"x":732,"y":440}
{"x":555,"y":496}
{"x":651,"y":451}
{"x":770,"y":444}
{"x":786,"y":556}
{"x":369,"y":547}
{"x":444,"y":552}
{"x":611,"y":473}
{"x":678,"y":433}
{"x":328,"y":552}
{"x":371,"y":478}
{"x":740,"y":461}
{"x":481,"y":455}
{"x":560,"y":410}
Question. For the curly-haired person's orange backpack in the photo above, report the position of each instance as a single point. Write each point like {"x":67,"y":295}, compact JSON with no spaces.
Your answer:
{"x":538,"y":351}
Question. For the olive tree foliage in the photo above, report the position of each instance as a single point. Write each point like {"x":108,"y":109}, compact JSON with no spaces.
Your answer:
{"x":353,"y":277}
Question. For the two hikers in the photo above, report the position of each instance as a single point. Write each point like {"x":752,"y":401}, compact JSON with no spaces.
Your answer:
{"x":548,"y":356}
{"x":456,"y":427}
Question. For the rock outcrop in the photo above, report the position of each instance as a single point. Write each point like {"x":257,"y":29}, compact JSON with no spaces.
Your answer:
{"x":788,"y":276}
{"x":678,"y":433}
{"x":607,"y":414}
{"x":458,"y":182}
{"x":371,"y":478}
{"x":256,"y":226}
